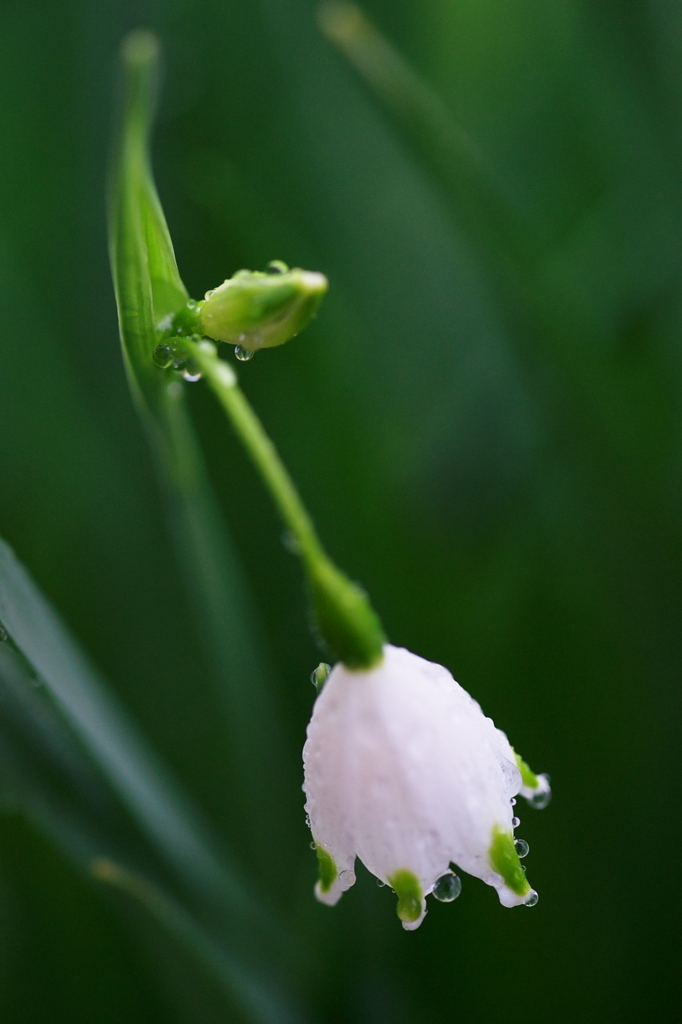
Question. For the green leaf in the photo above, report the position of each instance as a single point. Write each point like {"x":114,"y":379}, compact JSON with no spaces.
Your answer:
{"x":146,"y":280}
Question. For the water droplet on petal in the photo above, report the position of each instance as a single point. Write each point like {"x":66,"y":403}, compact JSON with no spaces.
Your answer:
{"x":516,"y":822}
{"x":243,"y":354}
{"x":318,"y":676}
{"x":521,"y":847}
{"x":532,"y":899}
{"x":542,"y":795}
{"x":448,"y":887}
{"x":276,"y":267}
{"x":382,"y":885}
{"x":313,"y":845}
{"x":513,"y":801}
{"x":163,"y":356}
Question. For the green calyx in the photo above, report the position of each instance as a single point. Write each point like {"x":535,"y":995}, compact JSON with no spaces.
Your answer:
{"x":528,"y":777}
{"x":326,"y":868}
{"x":260,"y":310}
{"x":505,"y":860}
{"x":345,"y":619}
{"x":408,"y":890}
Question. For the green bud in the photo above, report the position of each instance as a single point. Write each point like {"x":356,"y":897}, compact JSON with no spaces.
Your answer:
{"x":348,"y":625}
{"x":260,"y":310}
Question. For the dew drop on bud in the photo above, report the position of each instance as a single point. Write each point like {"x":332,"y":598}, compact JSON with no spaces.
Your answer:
{"x":521,"y":847}
{"x":532,"y":899}
{"x":516,"y":822}
{"x":243,"y":354}
{"x":447,"y":888}
{"x":163,"y":356}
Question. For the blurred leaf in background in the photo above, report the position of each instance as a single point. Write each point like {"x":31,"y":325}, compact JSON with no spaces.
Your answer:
{"x":495,"y":452}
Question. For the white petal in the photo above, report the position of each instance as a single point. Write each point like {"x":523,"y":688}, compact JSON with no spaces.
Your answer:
{"x":403,"y":769}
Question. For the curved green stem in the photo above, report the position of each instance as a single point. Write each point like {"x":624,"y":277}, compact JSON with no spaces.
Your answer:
{"x":347,"y":623}
{"x":262,"y":451}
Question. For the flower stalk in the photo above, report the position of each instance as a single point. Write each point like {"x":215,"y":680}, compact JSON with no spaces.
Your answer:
{"x":347,"y":624}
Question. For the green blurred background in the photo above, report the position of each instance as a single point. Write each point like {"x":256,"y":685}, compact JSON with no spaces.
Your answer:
{"x":506,"y":483}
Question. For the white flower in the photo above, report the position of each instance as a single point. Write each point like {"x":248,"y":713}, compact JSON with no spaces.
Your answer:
{"x":404,"y":771}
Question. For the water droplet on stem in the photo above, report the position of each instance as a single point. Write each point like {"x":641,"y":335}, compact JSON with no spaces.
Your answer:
{"x":163,"y":356}
{"x":290,"y":542}
{"x":191,"y":371}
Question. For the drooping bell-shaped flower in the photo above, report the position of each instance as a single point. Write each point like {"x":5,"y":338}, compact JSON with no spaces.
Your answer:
{"x":404,"y":771}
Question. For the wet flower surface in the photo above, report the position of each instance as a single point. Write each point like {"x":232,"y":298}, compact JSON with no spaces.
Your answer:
{"x":404,"y":771}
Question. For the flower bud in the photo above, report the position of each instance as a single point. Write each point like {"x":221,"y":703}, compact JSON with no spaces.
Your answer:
{"x":260,"y":310}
